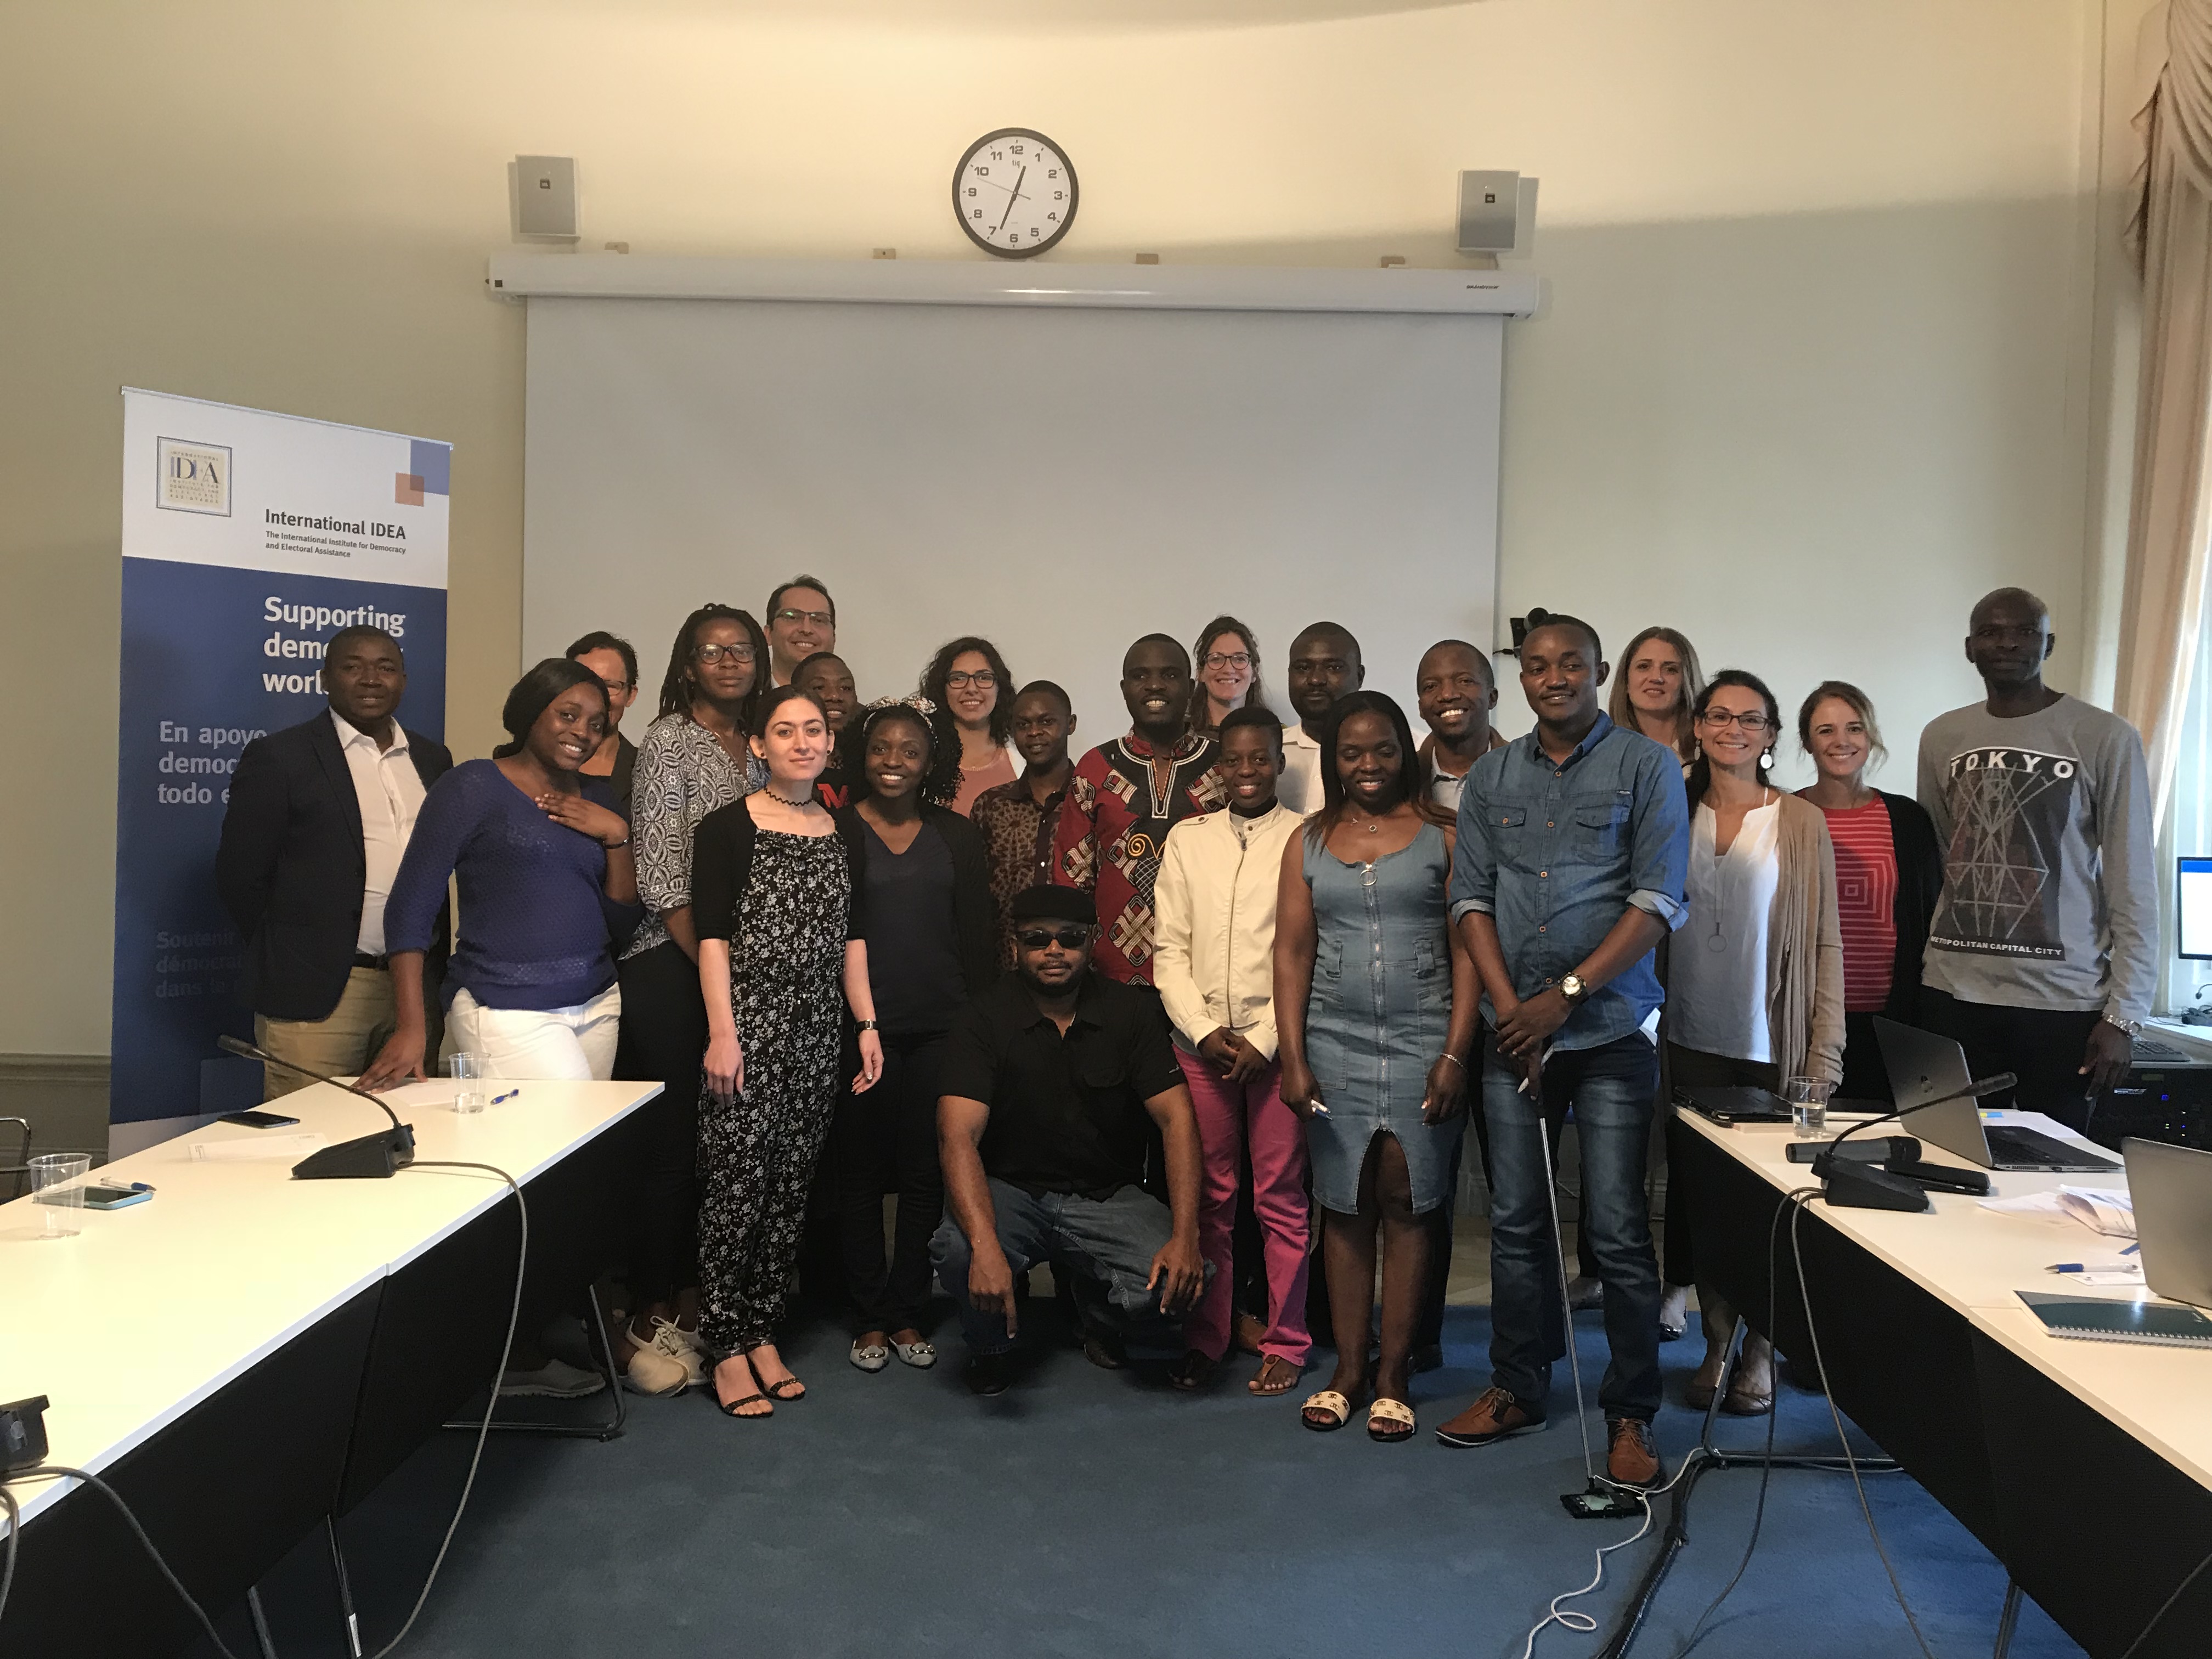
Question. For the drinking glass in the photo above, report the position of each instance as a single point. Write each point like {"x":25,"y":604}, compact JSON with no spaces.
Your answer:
{"x":463,"y":1065}
{"x":469,"y":1102}
{"x":57,"y":1185}
{"x":1809,"y":1106}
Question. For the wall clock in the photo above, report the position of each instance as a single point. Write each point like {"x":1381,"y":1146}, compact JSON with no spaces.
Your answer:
{"x":1014,"y":193}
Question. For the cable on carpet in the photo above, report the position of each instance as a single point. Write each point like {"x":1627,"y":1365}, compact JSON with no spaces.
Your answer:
{"x":56,"y":1471}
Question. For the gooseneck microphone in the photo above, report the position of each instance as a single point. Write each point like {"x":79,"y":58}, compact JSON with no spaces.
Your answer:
{"x":1849,"y":1184}
{"x":371,"y":1157}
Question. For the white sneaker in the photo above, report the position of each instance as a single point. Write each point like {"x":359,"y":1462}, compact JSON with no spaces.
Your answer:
{"x":555,"y":1379}
{"x":650,"y":1371}
{"x":671,"y":1341}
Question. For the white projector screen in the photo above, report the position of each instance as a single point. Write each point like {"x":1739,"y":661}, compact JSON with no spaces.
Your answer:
{"x":1060,"y":481}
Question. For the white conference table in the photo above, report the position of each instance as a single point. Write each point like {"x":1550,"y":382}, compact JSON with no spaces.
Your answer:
{"x":2085,"y":1466}
{"x":152,"y":1309}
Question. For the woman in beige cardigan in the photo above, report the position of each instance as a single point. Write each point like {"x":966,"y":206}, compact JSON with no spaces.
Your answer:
{"x":1755,"y":991}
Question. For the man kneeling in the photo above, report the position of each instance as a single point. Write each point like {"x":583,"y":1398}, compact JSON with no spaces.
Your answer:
{"x":1052,"y":1080}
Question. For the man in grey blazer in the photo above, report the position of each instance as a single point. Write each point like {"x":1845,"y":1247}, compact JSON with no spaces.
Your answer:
{"x":318,"y":818}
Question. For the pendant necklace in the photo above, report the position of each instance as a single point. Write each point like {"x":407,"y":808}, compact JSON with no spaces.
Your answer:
{"x":1725,"y":878}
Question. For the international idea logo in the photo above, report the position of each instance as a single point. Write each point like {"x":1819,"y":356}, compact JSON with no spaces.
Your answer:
{"x":194,"y":478}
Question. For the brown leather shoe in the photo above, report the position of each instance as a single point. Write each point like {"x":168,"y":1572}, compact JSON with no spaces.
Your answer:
{"x":1631,"y":1459}
{"x":1495,"y":1414}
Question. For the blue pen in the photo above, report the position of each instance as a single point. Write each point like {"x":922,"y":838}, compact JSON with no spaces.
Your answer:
{"x":509,"y":1095}
{"x":2065,"y":1267}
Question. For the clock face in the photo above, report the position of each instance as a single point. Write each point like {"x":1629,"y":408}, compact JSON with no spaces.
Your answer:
{"x":1014,"y":193}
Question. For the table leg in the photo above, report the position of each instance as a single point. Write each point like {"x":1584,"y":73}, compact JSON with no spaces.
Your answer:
{"x":2008,"y":1620}
{"x":345,"y":1587}
{"x":262,"y":1639}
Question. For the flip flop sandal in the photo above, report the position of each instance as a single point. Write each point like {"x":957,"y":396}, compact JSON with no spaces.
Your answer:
{"x":730,"y":1410}
{"x":870,"y":1358}
{"x":1390,"y":1421}
{"x":1331,"y":1404}
{"x":788,"y":1390}
{"x":1277,"y":1367}
{"x":920,"y":1355}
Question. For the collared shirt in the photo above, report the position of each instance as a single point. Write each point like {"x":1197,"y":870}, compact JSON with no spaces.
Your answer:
{"x":1300,"y":786}
{"x":1445,"y":787}
{"x":1555,"y":850}
{"x":1113,"y":828}
{"x":1067,"y":1112}
{"x":390,"y":791}
{"x":1017,"y":830}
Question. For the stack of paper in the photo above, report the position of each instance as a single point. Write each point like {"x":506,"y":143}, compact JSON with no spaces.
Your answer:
{"x":2107,"y":1210}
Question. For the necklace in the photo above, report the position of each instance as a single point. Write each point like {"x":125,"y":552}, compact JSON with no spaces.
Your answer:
{"x":1728,"y":876}
{"x":795,"y":805}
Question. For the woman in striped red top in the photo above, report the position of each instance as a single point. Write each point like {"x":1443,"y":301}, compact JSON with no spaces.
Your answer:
{"x":1889,"y":870}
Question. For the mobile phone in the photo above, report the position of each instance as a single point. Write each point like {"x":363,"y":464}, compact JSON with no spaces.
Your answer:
{"x":115,"y":1198}
{"x":260,"y":1120}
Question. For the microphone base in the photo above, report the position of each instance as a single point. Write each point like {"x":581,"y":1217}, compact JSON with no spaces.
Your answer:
{"x":370,"y":1158}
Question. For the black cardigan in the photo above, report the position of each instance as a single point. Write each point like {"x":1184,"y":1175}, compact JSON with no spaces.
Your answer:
{"x":1919,"y":882}
{"x":722,"y":863}
{"x":974,"y":912}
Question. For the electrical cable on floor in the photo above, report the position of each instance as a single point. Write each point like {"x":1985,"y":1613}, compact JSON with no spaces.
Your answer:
{"x":1805,"y":1296}
{"x":55,"y":1471}
{"x":2166,"y":1606}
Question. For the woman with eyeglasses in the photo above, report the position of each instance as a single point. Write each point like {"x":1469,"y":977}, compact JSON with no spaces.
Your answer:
{"x":968,"y":679}
{"x":1889,"y":873}
{"x":779,"y":892}
{"x":693,"y":761}
{"x":1375,"y":1005}
{"x":1228,"y":660}
{"x":1755,"y":991}
{"x":931,"y":931}
{"x":1657,"y":682}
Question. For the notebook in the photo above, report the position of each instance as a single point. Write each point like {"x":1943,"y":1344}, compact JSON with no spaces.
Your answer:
{"x":2100,"y":1319}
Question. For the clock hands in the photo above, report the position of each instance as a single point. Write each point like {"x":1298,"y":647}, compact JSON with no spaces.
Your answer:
{"x":1012,"y":196}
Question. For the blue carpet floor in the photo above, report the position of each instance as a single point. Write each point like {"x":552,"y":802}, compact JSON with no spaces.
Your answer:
{"x":1091,"y":1513}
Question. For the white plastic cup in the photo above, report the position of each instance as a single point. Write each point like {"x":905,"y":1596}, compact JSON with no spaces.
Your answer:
{"x":1809,"y":1106}
{"x":463,"y":1065}
{"x":57,"y":1186}
{"x":469,"y":1102}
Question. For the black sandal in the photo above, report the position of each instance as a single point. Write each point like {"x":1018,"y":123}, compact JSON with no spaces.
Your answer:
{"x":730,"y":1409}
{"x":1192,"y":1371}
{"x":781,"y":1391}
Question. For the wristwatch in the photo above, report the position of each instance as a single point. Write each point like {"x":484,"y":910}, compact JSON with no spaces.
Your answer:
{"x":2132,"y":1027}
{"x":864,"y":1025}
{"x":1573,"y":988}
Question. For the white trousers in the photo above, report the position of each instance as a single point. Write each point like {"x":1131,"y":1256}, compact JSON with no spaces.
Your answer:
{"x":569,"y":1045}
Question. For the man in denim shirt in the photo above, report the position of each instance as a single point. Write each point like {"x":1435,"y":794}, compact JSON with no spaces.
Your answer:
{"x":1573,"y":844}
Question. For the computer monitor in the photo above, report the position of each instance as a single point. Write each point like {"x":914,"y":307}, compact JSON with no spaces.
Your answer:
{"x":2192,"y":890}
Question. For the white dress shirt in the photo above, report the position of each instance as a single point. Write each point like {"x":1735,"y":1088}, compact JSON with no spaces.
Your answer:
{"x":1300,"y":786}
{"x":390,"y":791}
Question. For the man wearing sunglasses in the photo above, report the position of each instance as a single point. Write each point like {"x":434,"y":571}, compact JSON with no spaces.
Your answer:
{"x":1053,"y":1082}
{"x":802,"y":619}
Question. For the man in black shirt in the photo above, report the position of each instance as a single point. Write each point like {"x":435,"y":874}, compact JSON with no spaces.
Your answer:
{"x":1052,"y":1080}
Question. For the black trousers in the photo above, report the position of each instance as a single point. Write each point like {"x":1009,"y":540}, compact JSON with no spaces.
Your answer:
{"x":1693,"y":1069}
{"x":663,"y":1040}
{"x":885,"y":1141}
{"x":2045,"y":1047}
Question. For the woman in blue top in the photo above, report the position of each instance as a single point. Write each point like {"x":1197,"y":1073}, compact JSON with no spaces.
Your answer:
{"x":546,"y":886}
{"x":1375,"y":1011}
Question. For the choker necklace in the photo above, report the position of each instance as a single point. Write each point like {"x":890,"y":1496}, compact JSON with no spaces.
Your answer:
{"x":796,"y":805}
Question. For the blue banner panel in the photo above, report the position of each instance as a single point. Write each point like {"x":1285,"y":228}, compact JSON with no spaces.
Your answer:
{"x":212,"y":658}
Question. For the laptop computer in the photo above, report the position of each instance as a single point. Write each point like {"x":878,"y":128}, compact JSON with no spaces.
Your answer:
{"x":2173,"y":1191}
{"x":1923,"y":1066}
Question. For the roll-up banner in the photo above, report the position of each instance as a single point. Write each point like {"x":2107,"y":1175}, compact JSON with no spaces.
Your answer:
{"x":249,"y":538}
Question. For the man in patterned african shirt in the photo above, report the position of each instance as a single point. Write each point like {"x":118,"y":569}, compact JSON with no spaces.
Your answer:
{"x":1125,"y":796}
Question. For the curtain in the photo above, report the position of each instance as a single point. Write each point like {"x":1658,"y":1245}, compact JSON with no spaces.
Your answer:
{"x":2170,"y":515}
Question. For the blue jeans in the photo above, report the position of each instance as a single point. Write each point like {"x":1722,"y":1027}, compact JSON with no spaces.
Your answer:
{"x":1611,"y":1089}
{"x":1102,"y":1245}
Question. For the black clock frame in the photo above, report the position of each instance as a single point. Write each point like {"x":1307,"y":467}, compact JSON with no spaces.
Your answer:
{"x":1074,"y":194}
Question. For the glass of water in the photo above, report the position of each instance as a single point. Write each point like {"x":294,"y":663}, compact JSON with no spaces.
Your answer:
{"x":58,"y":1184}
{"x":469,"y":1101}
{"x":1809,"y":1106}
{"x":463,"y":1065}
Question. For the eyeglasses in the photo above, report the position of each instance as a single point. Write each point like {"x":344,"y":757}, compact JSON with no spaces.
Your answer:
{"x":1226,"y":659}
{"x":1720,"y":719}
{"x":1073,"y":937}
{"x":614,"y":687}
{"x":711,"y":654}
{"x":982,"y":679}
{"x":819,"y":618}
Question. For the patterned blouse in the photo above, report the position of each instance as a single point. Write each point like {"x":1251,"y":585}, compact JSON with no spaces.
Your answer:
{"x":682,"y":775}
{"x":1018,"y":834}
{"x":1113,"y":828}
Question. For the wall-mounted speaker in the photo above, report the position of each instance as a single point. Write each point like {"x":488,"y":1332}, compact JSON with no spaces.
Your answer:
{"x":545,"y":196}
{"x":1497,"y":212}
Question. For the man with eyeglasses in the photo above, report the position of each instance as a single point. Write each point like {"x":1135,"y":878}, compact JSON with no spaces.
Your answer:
{"x":615,"y":662}
{"x":1055,"y":1080}
{"x":1324,"y":666}
{"x":802,"y":619}
{"x":1574,"y":842}
{"x":2043,"y":953}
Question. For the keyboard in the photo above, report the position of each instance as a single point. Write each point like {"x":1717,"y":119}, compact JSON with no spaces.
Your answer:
{"x":2149,"y":1051}
{"x":2014,"y":1148}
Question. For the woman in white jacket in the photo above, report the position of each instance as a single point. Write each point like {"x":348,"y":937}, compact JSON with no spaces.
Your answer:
{"x":1214,"y":910}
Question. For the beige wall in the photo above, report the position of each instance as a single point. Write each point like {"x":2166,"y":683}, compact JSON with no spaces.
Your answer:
{"x":1813,"y":374}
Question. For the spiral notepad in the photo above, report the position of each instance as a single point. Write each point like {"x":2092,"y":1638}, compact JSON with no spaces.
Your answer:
{"x":2100,"y":1319}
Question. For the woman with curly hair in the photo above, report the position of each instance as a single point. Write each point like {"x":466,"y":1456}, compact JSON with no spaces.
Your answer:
{"x":969,"y":680}
{"x":1228,"y":659}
